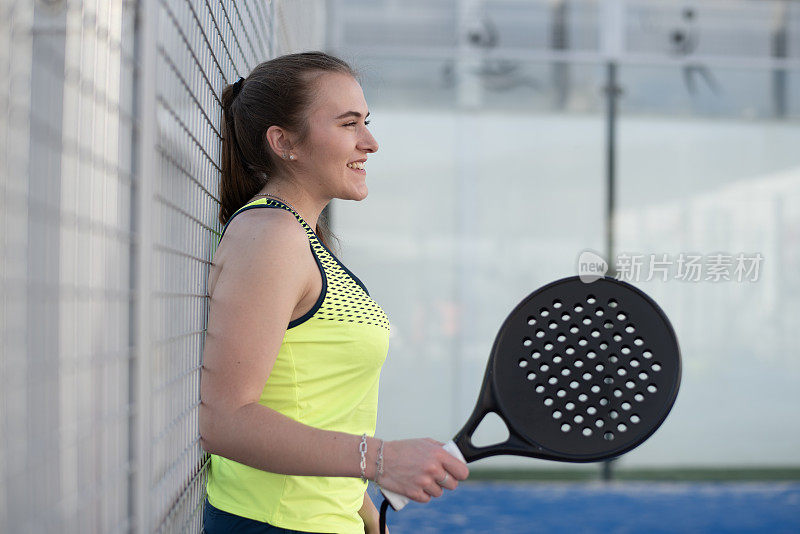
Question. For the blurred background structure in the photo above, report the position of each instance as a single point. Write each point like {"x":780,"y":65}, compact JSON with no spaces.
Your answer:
{"x":505,"y":124}
{"x":515,"y":135}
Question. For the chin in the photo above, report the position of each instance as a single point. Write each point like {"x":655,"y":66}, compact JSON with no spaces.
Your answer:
{"x":359,"y":194}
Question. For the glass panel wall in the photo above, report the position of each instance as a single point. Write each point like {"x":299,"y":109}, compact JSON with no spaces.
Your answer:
{"x":718,"y":189}
{"x":492,"y":178}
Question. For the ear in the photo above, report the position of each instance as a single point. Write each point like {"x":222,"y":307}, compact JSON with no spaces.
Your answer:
{"x":278,"y":140}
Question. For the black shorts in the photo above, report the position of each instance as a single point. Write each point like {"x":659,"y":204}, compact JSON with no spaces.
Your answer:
{"x":216,"y":521}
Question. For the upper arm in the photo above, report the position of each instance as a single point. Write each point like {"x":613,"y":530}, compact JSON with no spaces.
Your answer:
{"x":251,"y":304}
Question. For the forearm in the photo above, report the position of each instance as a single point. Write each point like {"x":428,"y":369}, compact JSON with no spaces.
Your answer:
{"x":370,"y":515}
{"x":263,"y":438}
{"x":368,"y":511}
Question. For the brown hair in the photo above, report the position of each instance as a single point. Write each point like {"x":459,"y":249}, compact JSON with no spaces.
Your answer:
{"x":277,"y":92}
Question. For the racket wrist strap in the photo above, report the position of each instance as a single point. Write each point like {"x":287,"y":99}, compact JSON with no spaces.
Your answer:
{"x":382,"y":518}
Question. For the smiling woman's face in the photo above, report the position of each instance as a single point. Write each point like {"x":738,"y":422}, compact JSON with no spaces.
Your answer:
{"x":337,"y":137}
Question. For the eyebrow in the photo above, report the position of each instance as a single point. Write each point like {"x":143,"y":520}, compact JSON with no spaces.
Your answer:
{"x":351,"y":114}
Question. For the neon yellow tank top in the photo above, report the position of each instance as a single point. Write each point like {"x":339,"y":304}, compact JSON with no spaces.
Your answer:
{"x":326,"y":376}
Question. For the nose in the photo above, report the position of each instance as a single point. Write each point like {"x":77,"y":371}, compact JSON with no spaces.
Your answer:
{"x":367,"y":143}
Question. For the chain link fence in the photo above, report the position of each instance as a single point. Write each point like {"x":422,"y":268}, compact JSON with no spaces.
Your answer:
{"x":110,"y":136}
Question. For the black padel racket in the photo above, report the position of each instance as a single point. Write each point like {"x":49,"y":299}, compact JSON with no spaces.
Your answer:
{"x":579,"y":372}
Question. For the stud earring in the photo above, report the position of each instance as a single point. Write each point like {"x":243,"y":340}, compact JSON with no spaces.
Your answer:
{"x":291,"y":156}
{"x":284,"y":155}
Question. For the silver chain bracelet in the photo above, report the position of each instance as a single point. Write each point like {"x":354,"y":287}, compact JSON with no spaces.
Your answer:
{"x":379,"y":463}
{"x":362,"y":448}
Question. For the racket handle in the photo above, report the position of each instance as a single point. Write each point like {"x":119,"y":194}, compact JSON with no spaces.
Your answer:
{"x":398,"y":501}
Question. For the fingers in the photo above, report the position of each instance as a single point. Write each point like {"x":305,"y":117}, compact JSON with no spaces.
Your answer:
{"x":420,"y":496}
{"x":452,"y":470}
{"x":434,"y":486}
{"x":454,"y":466}
{"x":415,"y":468}
{"x":447,"y":482}
{"x":434,"y":490}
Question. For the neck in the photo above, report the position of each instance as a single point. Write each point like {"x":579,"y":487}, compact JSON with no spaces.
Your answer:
{"x":298,"y":199}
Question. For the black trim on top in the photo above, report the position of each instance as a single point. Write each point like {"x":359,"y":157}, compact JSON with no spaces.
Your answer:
{"x":342,"y":265}
{"x":237,"y":212}
{"x":306,"y":316}
{"x":348,"y":271}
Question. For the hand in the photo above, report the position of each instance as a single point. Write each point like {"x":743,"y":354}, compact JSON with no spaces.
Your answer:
{"x":412,"y":468}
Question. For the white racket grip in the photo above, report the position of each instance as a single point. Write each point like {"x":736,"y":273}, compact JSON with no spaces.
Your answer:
{"x":398,"y":501}
{"x":452,"y":448}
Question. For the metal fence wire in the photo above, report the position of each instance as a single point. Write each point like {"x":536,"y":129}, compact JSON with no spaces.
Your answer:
{"x":110,"y":136}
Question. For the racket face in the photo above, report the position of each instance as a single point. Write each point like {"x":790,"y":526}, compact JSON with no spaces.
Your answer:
{"x":585,"y":371}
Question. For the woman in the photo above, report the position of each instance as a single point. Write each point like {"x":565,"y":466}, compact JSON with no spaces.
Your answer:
{"x":295,"y":344}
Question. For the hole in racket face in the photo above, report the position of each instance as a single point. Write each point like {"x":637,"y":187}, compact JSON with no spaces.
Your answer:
{"x":595,"y":363}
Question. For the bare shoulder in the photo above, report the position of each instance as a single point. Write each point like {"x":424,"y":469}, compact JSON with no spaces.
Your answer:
{"x":276,"y":227}
{"x":259,"y":239}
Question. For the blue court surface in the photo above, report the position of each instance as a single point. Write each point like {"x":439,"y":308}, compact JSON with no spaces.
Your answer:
{"x":594,"y":507}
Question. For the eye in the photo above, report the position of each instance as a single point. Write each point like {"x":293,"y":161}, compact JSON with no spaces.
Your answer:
{"x":366,"y":123}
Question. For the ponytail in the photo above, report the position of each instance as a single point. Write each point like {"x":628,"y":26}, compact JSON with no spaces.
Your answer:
{"x":237,"y":185}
